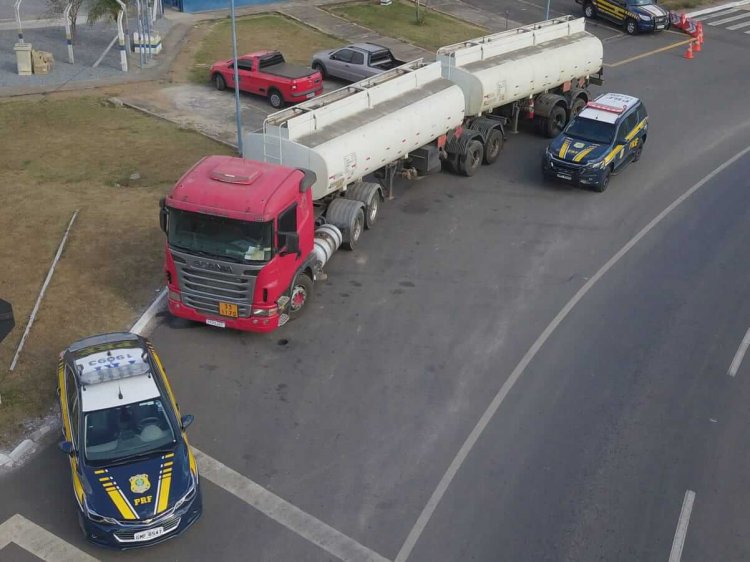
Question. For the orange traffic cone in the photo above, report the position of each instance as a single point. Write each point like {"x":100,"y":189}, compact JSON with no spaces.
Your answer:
{"x":697,"y":45}
{"x":689,"y":52}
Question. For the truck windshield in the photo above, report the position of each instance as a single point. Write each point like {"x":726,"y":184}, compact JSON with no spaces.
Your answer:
{"x":221,"y":237}
{"x":591,"y":130}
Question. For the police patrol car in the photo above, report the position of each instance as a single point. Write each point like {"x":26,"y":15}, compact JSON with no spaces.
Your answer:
{"x":604,"y":137}
{"x":633,"y":15}
{"x":134,"y":477}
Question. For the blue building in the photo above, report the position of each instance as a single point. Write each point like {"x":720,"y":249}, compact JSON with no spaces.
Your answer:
{"x":206,"y":5}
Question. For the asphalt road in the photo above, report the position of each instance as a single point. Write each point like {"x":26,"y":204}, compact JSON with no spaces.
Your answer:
{"x":355,"y":412}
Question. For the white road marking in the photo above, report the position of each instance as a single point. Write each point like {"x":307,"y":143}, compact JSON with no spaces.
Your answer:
{"x":716,"y":14}
{"x":739,"y":356}
{"x":682,"y":527}
{"x":727,"y":20}
{"x":445,"y":481}
{"x":739,"y":25}
{"x":39,"y":541}
{"x":283,"y":512}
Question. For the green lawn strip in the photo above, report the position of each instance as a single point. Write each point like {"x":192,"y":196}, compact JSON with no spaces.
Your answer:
{"x":399,"y":20}
{"x":296,"y":41}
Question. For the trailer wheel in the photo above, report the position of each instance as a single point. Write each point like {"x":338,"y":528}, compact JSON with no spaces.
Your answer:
{"x":300,"y":295}
{"x":471,"y":159}
{"x":348,"y":216}
{"x":450,"y":163}
{"x":555,"y":123}
{"x":577,"y":106}
{"x":275,"y":99}
{"x":493,"y":146}
{"x":370,"y":195}
{"x":589,"y":11}
{"x":219,"y":82}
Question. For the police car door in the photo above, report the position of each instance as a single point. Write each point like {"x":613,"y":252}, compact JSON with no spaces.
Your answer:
{"x":628,"y":138}
{"x":613,"y":10}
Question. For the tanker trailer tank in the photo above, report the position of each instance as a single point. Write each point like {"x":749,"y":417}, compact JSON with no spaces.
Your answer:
{"x":543,"y":69}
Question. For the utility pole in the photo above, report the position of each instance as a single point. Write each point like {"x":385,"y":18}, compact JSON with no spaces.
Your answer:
{"x":236,"y":82}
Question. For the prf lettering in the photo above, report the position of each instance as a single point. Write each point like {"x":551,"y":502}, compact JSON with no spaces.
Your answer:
{"x":144,"y":499}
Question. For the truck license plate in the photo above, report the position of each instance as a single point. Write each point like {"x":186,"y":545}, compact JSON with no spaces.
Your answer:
{"x":149,"y":534}
{"x":228,"y":309}
{"x":217,"y":323}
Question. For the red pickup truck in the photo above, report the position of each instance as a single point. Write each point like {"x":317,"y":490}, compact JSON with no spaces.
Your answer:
{"x":266,"y":73}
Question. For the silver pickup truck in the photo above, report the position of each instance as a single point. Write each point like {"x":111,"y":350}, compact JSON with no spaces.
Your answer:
{"x":354,"y":62}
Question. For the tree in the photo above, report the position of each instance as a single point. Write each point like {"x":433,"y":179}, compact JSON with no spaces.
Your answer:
{"x":57,"y":7}
{"x":104,"y":10}
{"x":421,"y":11}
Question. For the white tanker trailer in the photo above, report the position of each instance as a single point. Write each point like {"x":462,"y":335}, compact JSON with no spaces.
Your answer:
{"x":409,"y":119}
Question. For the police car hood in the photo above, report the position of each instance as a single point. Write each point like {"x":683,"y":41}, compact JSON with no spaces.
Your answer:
{"x":651,"y":10}
{"x":576,"y":150}
{"x":141,"y":489}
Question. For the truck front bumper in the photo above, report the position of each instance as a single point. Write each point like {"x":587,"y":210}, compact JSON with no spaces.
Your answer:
{"x":259,"y":324}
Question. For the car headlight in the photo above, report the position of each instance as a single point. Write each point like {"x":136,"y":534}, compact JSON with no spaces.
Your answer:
{"x":595,"y":165}
{"x":94,"y":516}
{"x":189,"y":495}
{"x":644,"y":17}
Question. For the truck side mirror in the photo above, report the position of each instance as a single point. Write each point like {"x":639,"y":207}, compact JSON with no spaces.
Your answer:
{"x":163,"y":215}
{"x":290,"y":244}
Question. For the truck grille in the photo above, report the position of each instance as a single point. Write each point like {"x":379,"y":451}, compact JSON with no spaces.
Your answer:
{"x":205,"y":282}
{"x":128,"y":535}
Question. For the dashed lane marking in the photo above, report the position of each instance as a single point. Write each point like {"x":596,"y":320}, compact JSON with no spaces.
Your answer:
{"x":728,"y":20}
{"x":39,"y":541}
{"x":715,"y":14}
{"x":649,"y":53}
{"x":740,"y":355}
{"x":293,"y":518}
{"x":682,"y":526}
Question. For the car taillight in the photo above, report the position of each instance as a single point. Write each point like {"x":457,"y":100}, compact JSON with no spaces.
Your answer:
{"x":294,"y":84}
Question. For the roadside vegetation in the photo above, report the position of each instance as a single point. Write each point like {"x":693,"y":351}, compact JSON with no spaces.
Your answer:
{"x":296,"y":41}
{"x":399,"y":20}
{"x":682,"y":4}
{"x":113,"y":164}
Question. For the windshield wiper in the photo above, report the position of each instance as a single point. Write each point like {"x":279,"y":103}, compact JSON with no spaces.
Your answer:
{"x":145,"y":454}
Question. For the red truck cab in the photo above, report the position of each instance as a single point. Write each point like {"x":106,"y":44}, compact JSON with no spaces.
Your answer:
{"x":239,"y":251}
{"x":267,"y":74}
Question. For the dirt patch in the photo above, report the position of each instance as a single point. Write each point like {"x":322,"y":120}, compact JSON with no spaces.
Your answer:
{"x":113,"y":165}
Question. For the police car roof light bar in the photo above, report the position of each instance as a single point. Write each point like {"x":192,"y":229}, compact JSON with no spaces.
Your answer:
{"x":609,"y":108}
{"x":109,"y":373}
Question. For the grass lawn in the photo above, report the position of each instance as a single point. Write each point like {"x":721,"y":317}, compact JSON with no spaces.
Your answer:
{"x":398,"y":20}
{"x":297,"y":42}
{"x":62,"y":155}
{"x":681,"y":4}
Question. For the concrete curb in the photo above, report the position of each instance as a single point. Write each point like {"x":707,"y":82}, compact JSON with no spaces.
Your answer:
{"x":142,"y":324}
{"x":717,"y":8}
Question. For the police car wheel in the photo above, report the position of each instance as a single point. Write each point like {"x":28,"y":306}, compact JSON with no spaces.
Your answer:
{"x":588,"y":10}
{"x":604,"y":182}
{"x":631,"y":27}
{"x":638,"y":151}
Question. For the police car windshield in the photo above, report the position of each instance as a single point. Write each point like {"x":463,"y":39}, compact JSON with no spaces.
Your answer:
{"x":125,"y":431}
{"x":221,"y":237}
{"x":591,"y":131}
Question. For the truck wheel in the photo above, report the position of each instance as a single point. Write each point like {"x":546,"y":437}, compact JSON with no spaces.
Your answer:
{"x":589,"y":11}
{"x":300,"y":295}
{"x":275,"y":99}
{"x":450,"y":163}
{"x":219,"y":82}
{"x":577,"y":106}
{"x":348,"y":216}
{"x":493,"y":146}
{"x":320,"y":68}
{"x":604,"y":182}
{"x":555,"y":121}
{"x":631,"y":27}
{"x":369,"y":194}
{"x":471,"y":159}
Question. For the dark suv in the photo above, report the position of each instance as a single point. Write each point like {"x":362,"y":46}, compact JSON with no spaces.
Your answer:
{"x":633,"y":15}
{"x":602,"y":139}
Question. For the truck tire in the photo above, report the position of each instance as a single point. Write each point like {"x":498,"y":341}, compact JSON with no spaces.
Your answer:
{"x":348,"y":216}
{"x":470,"y":161}
{"x":631,"y":26}
{"x":371,"y":196}
{"x":588,"y":10}
{"x":555,"y":122}
{"x":275,"y":99}
{"x":320,"y":68}
{"x":493,"y":146}
{"x":299,"y":295}
{"x":219,"y":82}
{"x":578,"y":104}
